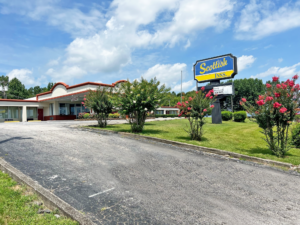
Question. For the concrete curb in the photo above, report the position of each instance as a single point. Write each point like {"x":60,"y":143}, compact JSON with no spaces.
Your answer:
{"x":50,"y":200}
{"x":205,"y":149}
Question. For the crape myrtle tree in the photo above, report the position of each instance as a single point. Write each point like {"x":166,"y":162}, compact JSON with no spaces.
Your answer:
{"x":274,"y":112}
{"x":195,"y":109}
{"x":138,"y":98}
{"x":100,"y":102}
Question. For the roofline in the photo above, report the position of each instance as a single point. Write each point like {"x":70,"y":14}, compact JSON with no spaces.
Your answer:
{"x":79,"y":85}
{"x":63,"y":96}
{"x":17,"y":100}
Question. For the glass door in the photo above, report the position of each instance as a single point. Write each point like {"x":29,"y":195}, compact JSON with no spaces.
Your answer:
{"x":77,"y":110}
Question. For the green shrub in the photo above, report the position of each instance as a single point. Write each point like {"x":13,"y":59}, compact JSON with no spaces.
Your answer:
{"x":240,"y":116}
{"x":114,"y":115}
{"x":165,"y":115}
{"x":86,"y":115}
{"x":297,"y":118}
{"x":226,"y":115}
{"x":296,"y":135}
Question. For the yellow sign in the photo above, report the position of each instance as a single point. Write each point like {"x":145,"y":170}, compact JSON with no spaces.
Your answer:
{"x":213,"y":76}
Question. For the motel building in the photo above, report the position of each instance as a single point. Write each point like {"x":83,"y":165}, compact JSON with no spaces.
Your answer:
{"x":62,"y":102}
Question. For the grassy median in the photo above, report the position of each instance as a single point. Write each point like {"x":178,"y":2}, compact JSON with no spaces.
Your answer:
{"x":17,"y":206}
{"x":244,"y":138}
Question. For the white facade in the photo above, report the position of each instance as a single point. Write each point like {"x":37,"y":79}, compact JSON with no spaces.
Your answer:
{"x":167,"y":110}
{"x":56,"y":104}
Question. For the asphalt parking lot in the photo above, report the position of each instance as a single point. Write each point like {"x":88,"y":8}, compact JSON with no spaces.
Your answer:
{"x":116,"y":180}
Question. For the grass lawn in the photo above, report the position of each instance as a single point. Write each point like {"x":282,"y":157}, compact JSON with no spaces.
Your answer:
{"x":16,"y":206}
{"x":244,"y":138}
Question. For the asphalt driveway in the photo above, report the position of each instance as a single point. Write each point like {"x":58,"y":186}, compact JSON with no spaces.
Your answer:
{"x":115,"y":180}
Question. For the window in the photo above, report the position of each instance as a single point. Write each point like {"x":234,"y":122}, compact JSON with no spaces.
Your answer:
{"x":159,"y":112}
{"x":31,"y":112}
{"x":173,"y":112}
{"x":13,"y":113}
{"x":51,"y":109}
{"x":3,"y":113}
{"x":62,"y":109}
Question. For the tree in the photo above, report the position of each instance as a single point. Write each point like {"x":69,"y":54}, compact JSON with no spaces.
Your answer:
{"x":247,"y":88}
{"x":195,"y":109}
{"x":275,"y":111}
{"x":16,"y":90}
{"x":50,"y":85}
{"x":138,"y":98}
{"x":101,"y":104}
{"x":3,"y":83}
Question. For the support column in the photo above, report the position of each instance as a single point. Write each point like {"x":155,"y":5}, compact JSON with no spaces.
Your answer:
{"x":24,"y":114}
{"x":216,"y":112}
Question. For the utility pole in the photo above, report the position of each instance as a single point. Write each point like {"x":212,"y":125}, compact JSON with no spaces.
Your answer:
{"x":181,"y":89}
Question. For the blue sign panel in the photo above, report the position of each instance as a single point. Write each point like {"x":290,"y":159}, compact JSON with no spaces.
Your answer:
{"x":216,"y":68}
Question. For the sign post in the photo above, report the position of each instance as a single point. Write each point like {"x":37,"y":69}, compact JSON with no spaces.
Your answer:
{"x":214,"y":70}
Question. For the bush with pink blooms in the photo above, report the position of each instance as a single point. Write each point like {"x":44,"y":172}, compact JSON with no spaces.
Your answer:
{"x":195,"y":109}
{"x":100,"y":102}
{"x":275,"y":111}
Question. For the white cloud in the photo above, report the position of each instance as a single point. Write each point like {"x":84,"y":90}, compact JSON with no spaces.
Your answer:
{"x":66,"y":73}
{"x":104,"y":43}
{"x":245,"y":61}
{"x":70,"y":20}
{"x":167,"y":74}
{"x":185,"y":86}
{"x":286,"y":72}
{"x":280,"y":60}
{"x":188,"y":44}
{"x":262,"y":18}
{"x":25,"y":76}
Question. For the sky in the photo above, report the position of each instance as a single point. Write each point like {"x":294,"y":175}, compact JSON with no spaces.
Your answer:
{"x":75,"y":41}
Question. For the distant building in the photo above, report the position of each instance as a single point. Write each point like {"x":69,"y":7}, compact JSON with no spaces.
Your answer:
{"x":62,"y":102}
{"x":167,"y":110}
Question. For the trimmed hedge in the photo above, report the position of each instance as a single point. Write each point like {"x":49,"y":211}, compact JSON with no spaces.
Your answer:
{"x":226,"y":115}
{"x":239,"y":116}
{"x":165,"y":115}
{"x":296,"y":135}
{"x":86,"y":115}
{"x":113,"y":115}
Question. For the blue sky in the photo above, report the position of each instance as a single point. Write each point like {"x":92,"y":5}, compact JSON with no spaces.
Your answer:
{"x":105,"y":41}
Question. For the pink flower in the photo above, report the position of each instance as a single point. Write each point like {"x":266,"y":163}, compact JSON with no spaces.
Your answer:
{"x":268,"y":85}
{"x":203,"y":88}
{"x":260,"y":97}
{"x":275,"y":79}
{"x":284,"y":86}
{"x":204,"y":110}
{"x":295,"y":77}
{"x":197,"y":92}
{"x":276,"y":105}
{"x":179,"y":104}
{"x":278,"y":85}
{"x":211,"y":97}
{"x":186,"y":102}
{"x":212,"y":106}
{"x":260,"y":103}
{"x":211,"y":91}
{"x":283,"y":110}
{"x":190,"y":98}
{"x":269,"y":98}
{"x":84,"y":95}
{"x":207,"y":95}
{"x":189,"y":108}
{"x":182,"y":97}
{"x":84,"y":99}
{"x":82,"y":103}
{"x":288,"y":95}
{"x":256,"y":112}
{"x":244,"y":100}
{"x":291,"y":83}
{"x":277,"y":95}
